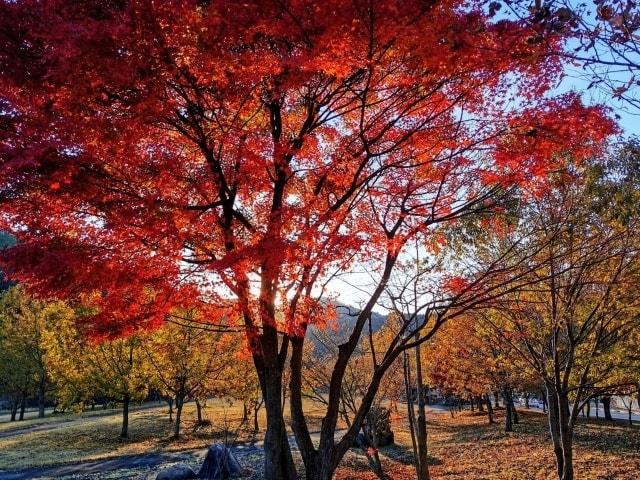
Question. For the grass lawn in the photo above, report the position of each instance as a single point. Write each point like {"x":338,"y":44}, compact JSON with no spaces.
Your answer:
{"x":464,"y":447}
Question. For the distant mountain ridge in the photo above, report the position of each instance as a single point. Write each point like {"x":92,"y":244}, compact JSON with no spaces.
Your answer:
{"x":347,"y":315}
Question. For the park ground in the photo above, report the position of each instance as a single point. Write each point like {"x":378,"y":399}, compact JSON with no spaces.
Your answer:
{"x":461,"y":447}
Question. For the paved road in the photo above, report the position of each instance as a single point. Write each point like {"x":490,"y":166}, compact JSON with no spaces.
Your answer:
{"x":619,"y":415}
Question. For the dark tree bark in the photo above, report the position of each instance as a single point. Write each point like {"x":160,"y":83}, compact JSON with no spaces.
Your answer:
{"x":278,"y":462}
{"x":42,"y":388}
{"x":489,"y":408}
{"x":199,"y":411}
{"x":179,"y":405}
{"x":256,"y":425}
{"x":14,"y":409}
{"x":170,"y":402}
{"x":554,"y":429}
{"x":421,"y":420}
{"x":23,"y":402}
{"x":508,"y":418}
{"x":124,"y":432}
{"x":606,"y":404}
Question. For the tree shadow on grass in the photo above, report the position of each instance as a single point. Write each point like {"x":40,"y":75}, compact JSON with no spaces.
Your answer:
{"x":404,"y":455}
{"x":607,"y":436}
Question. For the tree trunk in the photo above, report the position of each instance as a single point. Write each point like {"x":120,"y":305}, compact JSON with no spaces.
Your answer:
{"x":256,"y":425}
{"x":566,"y":437}
{"x":124,"y":433}
{"x":606,"y":404}
{"x":176,"y":427}
{"x":509,"y":415}
{"x":23,"y":403}
{"x":278,"y":461}
{"x":14,"y":409}
{"x":421,"y":421}
{"x":554,"y":429}
{"x":496,"y":398}
{"x":245,"y":412}
{"x":489,"y":408}
{"x":410,"y":410}
{"x":41,"y":395}
{"x":170,"y":402}
{"x":567,"y":454}
{"x":199,"y":411}
{"x":508,"y":418}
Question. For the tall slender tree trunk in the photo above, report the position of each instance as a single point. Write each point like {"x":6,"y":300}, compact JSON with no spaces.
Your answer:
{"x":566,"y":437}
{"x":170,"y":402}
{"x":256,"y":425}
{"x":14,"y":409}
{"x":423,"y":467}
{"x":23,"y":402}
{"x":199,"y":411}
{"x":410,"y":410}
{"x":124,"y":433}
{"x":554,"y":429}
{"x":489,"y":408}
{"x":606,"y":405}
{"x":508,"y":405}
{"x":42,"y":386}
{"x":179,"y":405}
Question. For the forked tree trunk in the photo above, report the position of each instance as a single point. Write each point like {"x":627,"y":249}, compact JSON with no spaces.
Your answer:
{"x":124,"y":432}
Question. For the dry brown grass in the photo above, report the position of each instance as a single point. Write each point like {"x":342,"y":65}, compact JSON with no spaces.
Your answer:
{"x":464,"y":447}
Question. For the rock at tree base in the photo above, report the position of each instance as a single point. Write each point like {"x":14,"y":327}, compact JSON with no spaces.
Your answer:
{"x":179,"y":471}
{"x":219,"y":464}
{"x":362,"y":440}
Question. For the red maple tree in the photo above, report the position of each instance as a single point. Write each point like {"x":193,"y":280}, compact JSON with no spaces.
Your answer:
{"x":237,"y":156}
